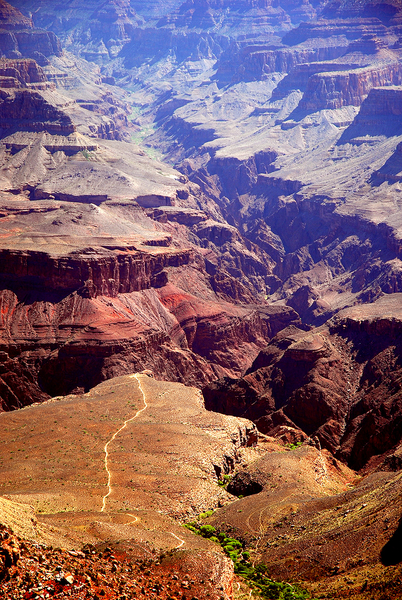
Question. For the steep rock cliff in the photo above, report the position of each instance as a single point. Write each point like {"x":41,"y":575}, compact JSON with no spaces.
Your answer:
{"x":33,"y":113}
{"x":18,"y":38}
{"x":253,"y":63}
{"x":25,"y":72}
{"x":334,"y":90}
{"x":79,"y":308}
{"x":339,"y":384}
{"x":388,"y":12}
{"x":11,"y":18}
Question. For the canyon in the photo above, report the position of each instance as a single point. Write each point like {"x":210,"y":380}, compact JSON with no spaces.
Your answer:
{"x":201,"y":297}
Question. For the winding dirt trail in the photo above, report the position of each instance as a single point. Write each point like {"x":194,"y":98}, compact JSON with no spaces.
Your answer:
{"x":182,"y":542}
{"x":106,"y":448}
{"x":109,"y":472}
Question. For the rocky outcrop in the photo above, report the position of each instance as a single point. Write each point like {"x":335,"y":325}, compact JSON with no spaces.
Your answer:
{"x":91,"y":275}
{"x":340,"y":385}
{"x":296,"y":369}
{"x":380,"y":102}
{"x":373,"y":429}
{"x":184,"y":216}
{"x":100,"y":31}
{"x":25,"y":72}
{"x":256,"y":64}
{"x":204,"y":324}
{"x":22,"y":565}
{"x":32,"y":113}
{"x":108,"y":29}
{"x":389,"y":12}
{"x":19,"y":39}
{"x":352,"y":29}
{"x":60,"y":343}
{"x":207,"y":14}
{"x":154,"y":8}
{"x":238,"y":176}
{"x":299,"y":77}
{"x":106,"y":307}
{"x":334,"y":90}
{"x":311,"y":528}
{"x":11,"y":18}
{"x":37,"y":44}
{"x":379,"y":115}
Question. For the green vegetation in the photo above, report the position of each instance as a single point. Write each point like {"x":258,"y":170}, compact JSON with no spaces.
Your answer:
{"x":206,"y":514}
{"x":88,"y":155}
{"x":224,"y":481}
{"x":256,"y":575}
{"x":294,"y":446}
{"x":135,"y":113}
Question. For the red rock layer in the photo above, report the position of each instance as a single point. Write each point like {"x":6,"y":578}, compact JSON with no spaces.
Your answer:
{"x":334,"y":90}
{"x":342,"y":386}
{"x":91,"y":274}
{"x":11,"y":18}
{"x":33,"y":113}
{"x":24,"y":71}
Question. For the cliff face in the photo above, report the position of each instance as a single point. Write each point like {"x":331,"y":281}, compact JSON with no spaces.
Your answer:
{"x":117,"y":305}
{"x":11,"y":18}
{"x":339,"y":385}
{"x":237,"y":176}
{"x":351,"y":29}
{"x":33,"y":113}
{"x":24,"y":72}
{"x":100,"y":30}
{"x":58,"y":342}
{"x":18,"y":38}
{"x":255,"y":64}
{"x":90,"y":275}
{"x":381,"y":102}
{"x":334,"y":90}
{"x":388,"y":12}
{"x":266,"y":267}
{"x":201,"y":14}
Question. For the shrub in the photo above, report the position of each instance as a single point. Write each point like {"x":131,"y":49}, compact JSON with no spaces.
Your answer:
{"x":206,"y":514}
{"x":224,"y":481}
{"x":207,"y":530}
{"x":256,"y":576}
{"x":294,"y":446}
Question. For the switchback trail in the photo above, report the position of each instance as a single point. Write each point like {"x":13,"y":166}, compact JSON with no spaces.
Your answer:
{"x":106,"y":448}
{"x":182,"y":542}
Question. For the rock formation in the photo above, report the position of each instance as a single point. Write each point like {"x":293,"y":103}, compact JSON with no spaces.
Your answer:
{"x":334,"y":90}
{"x":327,"y":384}
{"x":19,"y":39}
{"x":208,"y":190}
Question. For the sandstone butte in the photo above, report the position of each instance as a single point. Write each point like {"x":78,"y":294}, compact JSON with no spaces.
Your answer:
{"x":200,"y":299}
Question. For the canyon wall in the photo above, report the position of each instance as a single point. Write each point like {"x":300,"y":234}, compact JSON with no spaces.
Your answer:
{"x":334,"y":90}
{"x":339,"y":384}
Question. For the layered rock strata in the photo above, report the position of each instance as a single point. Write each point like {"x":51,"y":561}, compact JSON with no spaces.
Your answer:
{"x":333,"y":384}
{"x":18,"y":38}
{"x":334,"y":90}
{"x":96,"y":310}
